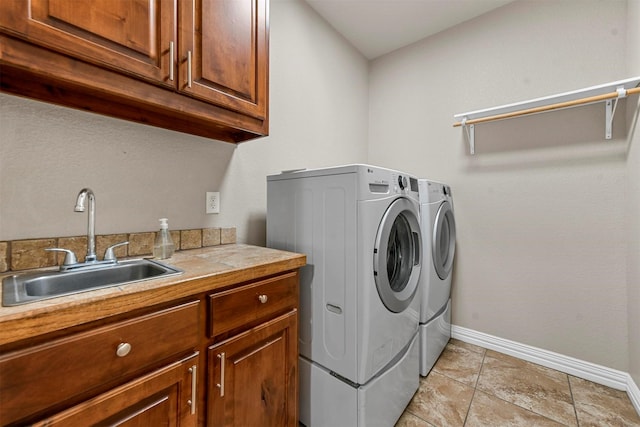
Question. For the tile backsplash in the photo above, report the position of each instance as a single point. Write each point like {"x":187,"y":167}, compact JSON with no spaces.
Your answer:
{"x":26,"y":254}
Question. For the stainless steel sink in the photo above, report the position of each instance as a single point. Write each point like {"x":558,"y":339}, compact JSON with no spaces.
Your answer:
{"x":31,"y":287}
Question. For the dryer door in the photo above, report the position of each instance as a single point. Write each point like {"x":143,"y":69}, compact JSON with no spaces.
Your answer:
{"x":443,"y":245}
{"x":397,"y":255}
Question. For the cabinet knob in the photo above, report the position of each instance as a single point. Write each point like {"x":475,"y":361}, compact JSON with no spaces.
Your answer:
{"x":123,"y":349}
{"x":263,"y":298}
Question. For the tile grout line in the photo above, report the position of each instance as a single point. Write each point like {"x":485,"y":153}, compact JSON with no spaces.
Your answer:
{"x":489,"y":394}
{"x":475,"y":387}
{"x":522,"y":407}
{"x":573,"y":400}
{"x":414,"y":414}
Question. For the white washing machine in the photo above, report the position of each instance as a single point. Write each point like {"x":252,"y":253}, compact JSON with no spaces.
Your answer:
{"x":439,"y":237}
{"x":359,"y":293}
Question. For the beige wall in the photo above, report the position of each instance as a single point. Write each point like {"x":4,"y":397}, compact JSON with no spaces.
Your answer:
{"x":633,"y":191}
{"x":139,"y":173}
{"x":540,"y":208}
{"x":548,"y":241}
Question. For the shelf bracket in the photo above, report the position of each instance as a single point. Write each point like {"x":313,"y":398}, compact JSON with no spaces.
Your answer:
{"x":610,"y":111}
{"x":471,"y":135}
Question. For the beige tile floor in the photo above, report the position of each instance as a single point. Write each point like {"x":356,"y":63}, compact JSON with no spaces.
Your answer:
{"x":471,"y":386}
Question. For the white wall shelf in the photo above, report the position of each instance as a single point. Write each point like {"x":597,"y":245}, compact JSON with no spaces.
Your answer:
{"x":609,"y":93}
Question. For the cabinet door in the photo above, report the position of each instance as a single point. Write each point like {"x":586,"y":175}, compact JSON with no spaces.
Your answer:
{"x":130,"y":36}
{"x":253,"y":377}
{"x":165,"y":397}
{"x":224,"y":53}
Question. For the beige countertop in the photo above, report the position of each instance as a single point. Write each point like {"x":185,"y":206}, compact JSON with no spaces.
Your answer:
{"x":205,"y":269}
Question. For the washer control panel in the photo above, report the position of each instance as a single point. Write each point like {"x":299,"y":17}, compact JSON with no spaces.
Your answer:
{"x":405,"y":184}
{"x":390,"y":182}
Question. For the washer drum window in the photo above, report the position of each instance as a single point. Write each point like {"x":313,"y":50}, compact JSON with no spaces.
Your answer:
{"x":443,"y":245}
{"x":396,"y":257}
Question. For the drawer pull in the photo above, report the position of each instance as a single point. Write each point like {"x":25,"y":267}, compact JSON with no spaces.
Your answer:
{"x":171,"y":53}
{"x":123,"y":349}
{"x":194,"y":378}
{"x":222,"y":358}
{"x":189,"y":75}
{"x":263,"y":298}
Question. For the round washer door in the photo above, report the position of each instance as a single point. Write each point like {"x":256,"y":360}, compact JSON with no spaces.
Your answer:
{"x":443,"y":245}
{"x":396,"y":256}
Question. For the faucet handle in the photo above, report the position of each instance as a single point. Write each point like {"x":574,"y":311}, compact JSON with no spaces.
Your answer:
{"x":109,"y":255}
{"x":69,"y":258}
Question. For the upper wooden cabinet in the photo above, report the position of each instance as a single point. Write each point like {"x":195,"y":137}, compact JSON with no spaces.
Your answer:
{"x":196,"y":66}
{"x":130,"y":36}
{"x":224,"y":45}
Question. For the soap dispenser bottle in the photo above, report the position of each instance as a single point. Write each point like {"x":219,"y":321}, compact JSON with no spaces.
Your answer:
{"x":163,"y":247}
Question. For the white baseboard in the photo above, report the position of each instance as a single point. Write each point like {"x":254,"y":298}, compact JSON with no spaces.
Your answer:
{"x":569,"y":365}
{"x":634,"y":393}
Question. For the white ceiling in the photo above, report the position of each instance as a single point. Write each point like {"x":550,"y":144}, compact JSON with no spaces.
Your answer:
{"x":376,"y":27}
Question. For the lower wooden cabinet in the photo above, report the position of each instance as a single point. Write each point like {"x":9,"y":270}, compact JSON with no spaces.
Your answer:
{"x":252,"y":380}
{"x":40,"y":378}
{"x":228,"y":357}
{"x":165,"y":397}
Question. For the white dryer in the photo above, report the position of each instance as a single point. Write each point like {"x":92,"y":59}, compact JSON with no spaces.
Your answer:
{"x":359,"y":292}
{"x":439,"y":236}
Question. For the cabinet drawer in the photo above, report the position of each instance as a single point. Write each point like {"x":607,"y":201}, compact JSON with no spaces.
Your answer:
{"x":159,"y":398}
{"x":247,"y":305}
{"x":40,"y":377}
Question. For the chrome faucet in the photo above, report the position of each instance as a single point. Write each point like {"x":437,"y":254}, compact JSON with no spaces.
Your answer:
{"x":91,"y":261}
{"x":91,"y":225}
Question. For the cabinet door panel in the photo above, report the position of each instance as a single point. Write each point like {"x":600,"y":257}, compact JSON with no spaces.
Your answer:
{"x":229,"y":50}
{"x":230,"y":61}
{"x":254,"y":376}
{"x":131,"y":36}
{"x":102,"y":19}
{"x":261,"y":371}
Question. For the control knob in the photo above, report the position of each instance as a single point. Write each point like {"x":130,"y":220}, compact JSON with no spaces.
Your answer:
{"x":402,"y":182}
